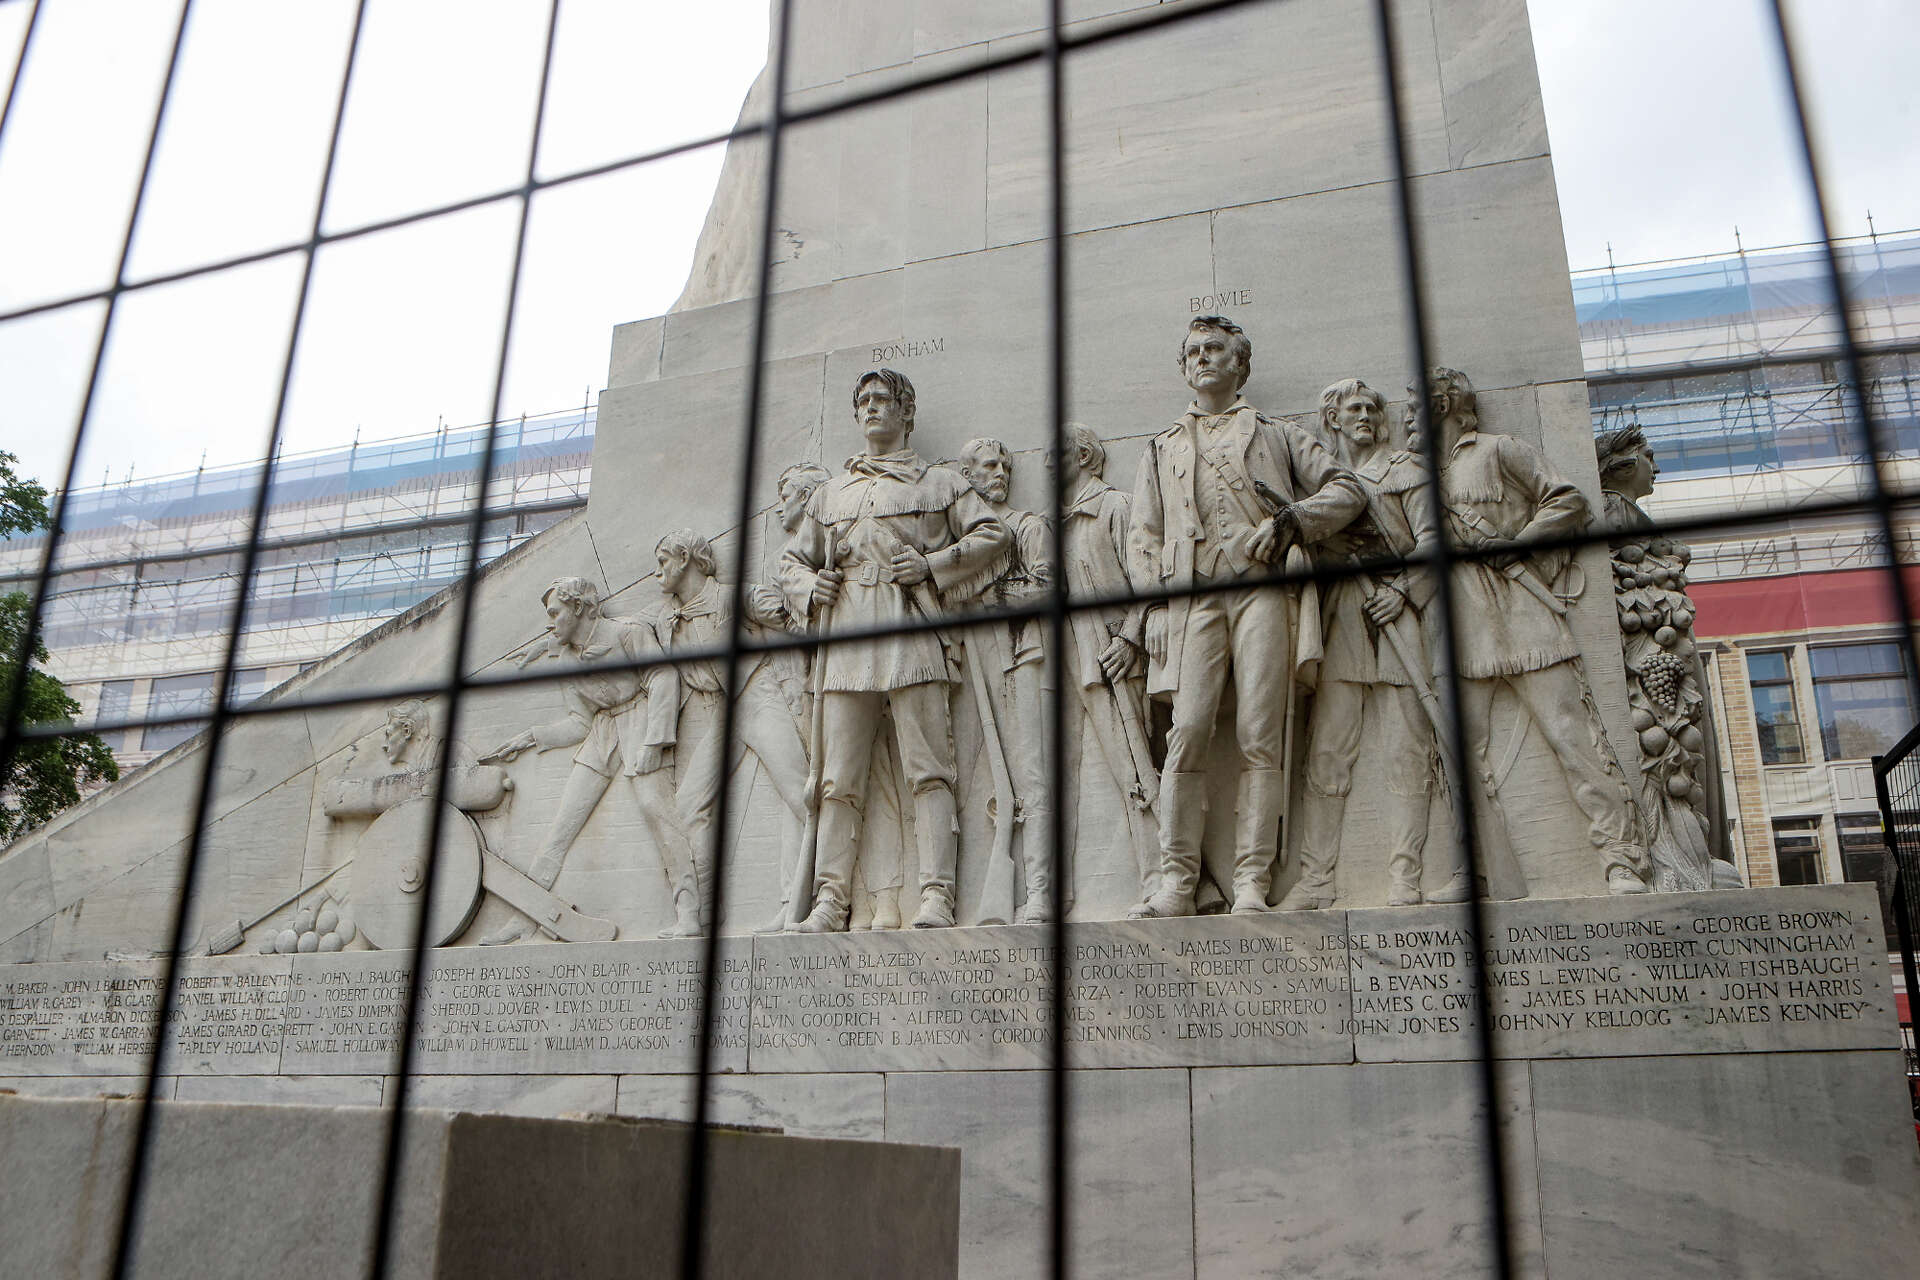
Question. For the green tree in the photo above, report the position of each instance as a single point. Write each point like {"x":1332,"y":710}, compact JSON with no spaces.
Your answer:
{"x":45,"y":774}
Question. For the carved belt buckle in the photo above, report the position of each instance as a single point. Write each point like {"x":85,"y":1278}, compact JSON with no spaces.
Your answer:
{"x":869,"y":574}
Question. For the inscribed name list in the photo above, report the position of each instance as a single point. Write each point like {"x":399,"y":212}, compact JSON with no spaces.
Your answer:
{"x":580,"y":1008}
{"x":1220,"y":990}
{"x":1762,"y":970}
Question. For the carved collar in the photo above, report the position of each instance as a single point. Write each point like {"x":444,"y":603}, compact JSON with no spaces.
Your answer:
{"x":1085,"y":500}
{"x":903,"y":465}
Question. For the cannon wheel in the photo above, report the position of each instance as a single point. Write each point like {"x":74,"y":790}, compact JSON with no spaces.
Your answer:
{"x":389,"y":868}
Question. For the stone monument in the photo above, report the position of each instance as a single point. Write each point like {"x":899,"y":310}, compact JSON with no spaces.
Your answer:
{"x":1245,"y":1079}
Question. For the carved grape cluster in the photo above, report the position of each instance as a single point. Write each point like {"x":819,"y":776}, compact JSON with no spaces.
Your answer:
{"x":1662,"y":674}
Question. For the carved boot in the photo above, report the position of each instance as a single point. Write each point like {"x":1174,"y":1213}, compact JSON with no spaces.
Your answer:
{"x":1459,"y":885}
{"x":827,"y":916}
{"x":1038,"y":908}
{"x":1623,"y":880}
{"x":886,"y":909}
{"x":1262,"y":796}
{"x":1321,"y":815}
{"x":936,"y":908}
{"x":686,"y":915}
{"x":545,"y":869}
{"x":1406,"y":843}
{"x":1183,"y":818}
{"x":508,"y":934}
{"x":936,"y":833}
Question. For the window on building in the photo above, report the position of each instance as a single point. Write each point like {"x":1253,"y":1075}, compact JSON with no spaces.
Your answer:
{"x":1864,"y":857}
{"x":1796,"y":850}
{"x":1770,"y":673}
{"x":177,"y":696}
{"x":1861,"y":693}
{"x":116,"y":700}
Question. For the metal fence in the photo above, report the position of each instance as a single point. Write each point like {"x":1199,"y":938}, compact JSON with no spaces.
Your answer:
{"x":1054,"y":56}
{"x":1896,"y":782}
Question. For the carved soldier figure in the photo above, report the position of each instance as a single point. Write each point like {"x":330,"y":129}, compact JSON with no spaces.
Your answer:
{"x":1220,"y":499}
{"x":1106,"y":658}
{"x":875,"y":545}
{"x":1375,"y":694}
{"x":788,"y":668}
{"x":1680,"y":797}
{"x":1500,"y":495}
{"x":1013,"y":669}
{"x":696,"y":615}
{"x":625,"y":723}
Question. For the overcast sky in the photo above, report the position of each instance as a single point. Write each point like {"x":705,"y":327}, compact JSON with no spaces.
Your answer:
{"x":1667,"y":124}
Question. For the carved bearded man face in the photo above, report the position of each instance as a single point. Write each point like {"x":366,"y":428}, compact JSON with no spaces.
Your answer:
{"x":1360,"y":418}
{"x":988,"y":467}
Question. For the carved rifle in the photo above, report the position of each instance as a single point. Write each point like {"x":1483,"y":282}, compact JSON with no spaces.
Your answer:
{"x":800,"y":887}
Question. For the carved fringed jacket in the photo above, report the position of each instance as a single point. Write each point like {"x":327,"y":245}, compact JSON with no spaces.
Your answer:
{"x":1500,"y":489}
{"x":856,"y":523}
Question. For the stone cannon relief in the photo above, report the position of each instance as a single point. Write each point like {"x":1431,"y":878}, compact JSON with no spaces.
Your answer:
{"x":917,"y":761}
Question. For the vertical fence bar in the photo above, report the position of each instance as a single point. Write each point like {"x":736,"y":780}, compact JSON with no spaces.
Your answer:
{"x":381,"y":1258}
{"x":1441,"y":566}
{"x":693,"y":1229}
{"x":1059,"y":1101}
{"x":141,"y":1158}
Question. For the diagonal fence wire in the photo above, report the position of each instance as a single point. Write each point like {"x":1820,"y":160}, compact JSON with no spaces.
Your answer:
{"x":381,"y":1259}
{"x":140,"y":1161}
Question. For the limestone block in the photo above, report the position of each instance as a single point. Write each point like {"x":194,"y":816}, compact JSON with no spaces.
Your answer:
{"x":234,"y":1189}
{"x":26,"y":887}
{"x":1141,"y":994}
{"x":1489,"y":81}
{"x":1137,"y":148}
{"x":86,"y":1086}
{"x":1340,"y":310}
{"x":306,"y":1091}
{"x":1357,"y":1171}
{"x":808,"y":1106}
{"x":514,"y":1095}
{"x":1691,"y":973}
{"x":636,"y":351}
{"x":1131,"y":1176}
{"x":1788,"y":1164}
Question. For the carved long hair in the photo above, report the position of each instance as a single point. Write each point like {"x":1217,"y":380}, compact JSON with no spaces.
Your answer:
{"x":688,"y":543}
{"x":1081,"y":436}
{"x":895,"y":382}
{"x":1330,"y":401}
{"x":575,"y":591}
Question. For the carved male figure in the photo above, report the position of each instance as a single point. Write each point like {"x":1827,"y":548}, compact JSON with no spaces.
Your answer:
{"x":874,"y":547}
{"x":1200,"y":518}
{"x":625,"y":723}
{"x":787,"y":668}
{"x":1501,"y":495}
{"x":1375,"y":673}
{"x":696,"y":615}
{"x":1106,"y":657}
{"x":1013,"y":663}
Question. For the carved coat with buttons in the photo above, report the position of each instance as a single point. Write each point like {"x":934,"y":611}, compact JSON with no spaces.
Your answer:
{"x":1195,"y":508}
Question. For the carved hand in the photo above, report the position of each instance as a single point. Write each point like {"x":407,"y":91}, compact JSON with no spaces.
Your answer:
{"x":651,"y":758}
{"x":910,"y":567}
{"x":1384,"y":605}
{"x":1118,"y":659}
{"x":826,"y":588}
{"x":511,"y":748}
{"x":1157,"y":635}
{"x":534,"y":652}
{"x":1264,"y":540}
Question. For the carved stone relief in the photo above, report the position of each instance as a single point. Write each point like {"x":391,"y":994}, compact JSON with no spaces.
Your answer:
{"x":1681,"y":805}
{"x":857,"y":741}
